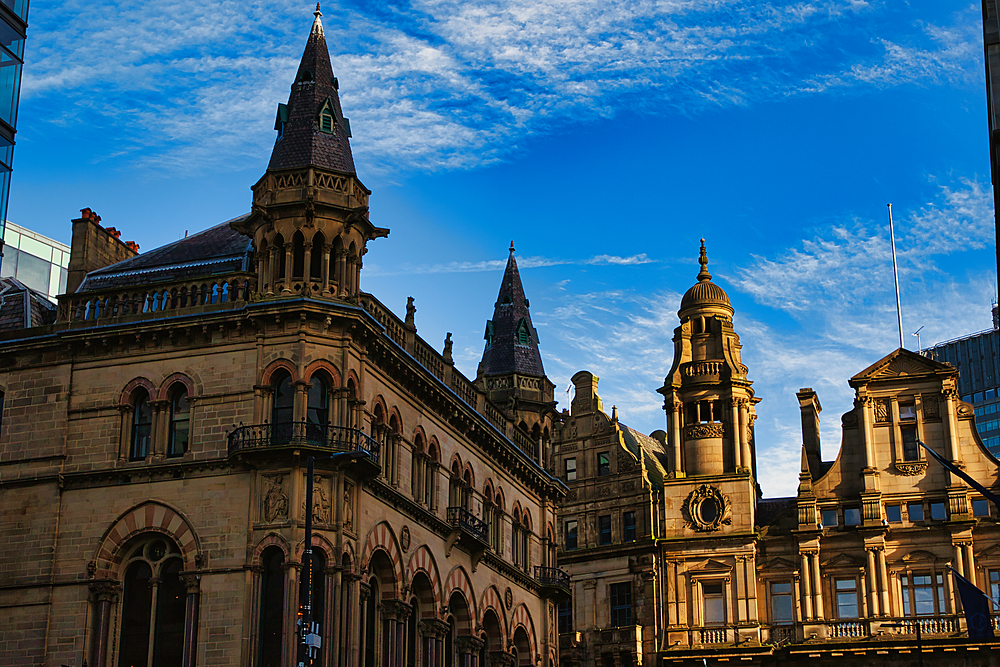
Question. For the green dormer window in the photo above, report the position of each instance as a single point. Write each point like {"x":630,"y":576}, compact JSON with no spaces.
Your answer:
{"x":327,"y":120}
{"x":489,"y":333}
{"x":523,"y":332}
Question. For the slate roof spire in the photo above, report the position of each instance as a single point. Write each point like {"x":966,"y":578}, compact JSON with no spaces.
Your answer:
{"x":312,"y":130}
{"x":511,"y":340}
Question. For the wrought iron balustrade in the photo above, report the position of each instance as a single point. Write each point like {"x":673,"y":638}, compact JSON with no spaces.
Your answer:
{"x":552,"y":576}
{"x":459,"y":517}
{"x":302,"y":434}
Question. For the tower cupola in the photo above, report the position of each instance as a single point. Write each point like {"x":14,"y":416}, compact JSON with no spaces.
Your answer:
{"x":707,"y":396}
{"x":309,"y":223}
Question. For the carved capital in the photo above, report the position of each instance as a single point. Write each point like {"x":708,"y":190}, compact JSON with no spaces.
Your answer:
{"x":105,"y":590}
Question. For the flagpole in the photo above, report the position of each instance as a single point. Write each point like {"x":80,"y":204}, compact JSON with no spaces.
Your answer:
{"x":895,"y":276}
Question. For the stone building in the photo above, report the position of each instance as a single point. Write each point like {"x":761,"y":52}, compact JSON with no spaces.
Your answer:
{"x":675,"y":558}
{"x":155,"y":439}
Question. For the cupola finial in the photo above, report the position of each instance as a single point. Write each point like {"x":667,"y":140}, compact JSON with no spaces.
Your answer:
{"x":703,"y":260}
{"x":317,"y":24}
{"x":512,"y":247}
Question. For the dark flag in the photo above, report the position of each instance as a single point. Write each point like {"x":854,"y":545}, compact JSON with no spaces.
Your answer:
{"x":989,"y":495}
{"x":977,"y":608}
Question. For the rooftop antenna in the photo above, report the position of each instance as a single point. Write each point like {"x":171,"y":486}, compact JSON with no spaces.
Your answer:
{"x":895,"y":276}
{"x":917,"y":334}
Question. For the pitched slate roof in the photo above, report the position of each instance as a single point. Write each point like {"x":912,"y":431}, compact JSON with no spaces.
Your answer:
{"x":652,"y":451}
{"x":216,"y":250}
{"x":506,"y":351}
{"x":300,"y":141}
{"x":22,"y":307}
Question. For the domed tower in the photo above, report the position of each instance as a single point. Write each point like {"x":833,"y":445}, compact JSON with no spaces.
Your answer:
{"x":309,"y":222}
{"x":707,"y":396}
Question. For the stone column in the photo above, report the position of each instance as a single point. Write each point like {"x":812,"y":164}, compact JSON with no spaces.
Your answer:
{"x":365,"y":597}
{"x":287,"y":287}
{"x":737,"y":438}
{"x":104,"y":595}
{"x":864,"y":404}
{"x":192,"y":584}
{"x":675,"y":424}
{"x":807,"y":594}
{"x":468,"y":650}
{"x":745,"y":433}
{"x":970,"y":565}
{"x":884,"y":577}
{"x":327,"y":250}
{"x":957,"y":552}
{"x":434,"y":632}
{"x":817,"y":586}
{"x":272,"y":269}
{"x":870,"y":579}
{"x":950,"y":415}
{"x":307,"y":263}
{"x":261,"y":275}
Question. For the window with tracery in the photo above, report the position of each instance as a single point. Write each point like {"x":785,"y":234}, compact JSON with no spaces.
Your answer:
{"x":153,"y":605}
{"x":179,"y":432}
{"x":142,"y":426}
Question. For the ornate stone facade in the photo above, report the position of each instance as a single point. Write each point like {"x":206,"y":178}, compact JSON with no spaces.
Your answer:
{"x":155,"y":439}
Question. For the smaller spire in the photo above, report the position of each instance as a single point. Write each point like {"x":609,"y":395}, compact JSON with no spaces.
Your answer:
{"x":703,"y":260}
{"x":317,"y":24}
{"x":512,"y":247}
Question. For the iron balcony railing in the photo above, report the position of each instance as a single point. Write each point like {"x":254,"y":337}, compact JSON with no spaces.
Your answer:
{"x":459,"y":517}
{"x":552,"y":576}
{"x":302,"y":434}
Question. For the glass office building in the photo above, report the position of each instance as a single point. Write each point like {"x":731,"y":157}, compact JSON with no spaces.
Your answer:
{"x":35,"y":260}
{"x":13,"y":28}
{"x":976,"y":357}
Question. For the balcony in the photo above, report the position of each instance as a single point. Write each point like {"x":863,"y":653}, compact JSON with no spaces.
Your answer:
{"x":553,"y":582}
{"x":296,"y":435}
{"x":469,"y":524}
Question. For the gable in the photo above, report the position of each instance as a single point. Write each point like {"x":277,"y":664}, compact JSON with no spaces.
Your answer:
{"x":842,"y":560}
{"x":712,"y":565}
{"x":901,"y":363}
{"x":777,"y":563}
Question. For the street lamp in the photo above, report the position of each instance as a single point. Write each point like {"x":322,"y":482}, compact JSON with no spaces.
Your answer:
{"x":310,"y":640}
{"x":905,"y":626}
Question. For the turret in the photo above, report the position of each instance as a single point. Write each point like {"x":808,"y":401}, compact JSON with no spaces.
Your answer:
{"x":707,"y":396}
{"x":310,"y":225}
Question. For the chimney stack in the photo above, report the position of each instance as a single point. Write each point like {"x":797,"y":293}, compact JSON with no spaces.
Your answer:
{"x":810,"y":409}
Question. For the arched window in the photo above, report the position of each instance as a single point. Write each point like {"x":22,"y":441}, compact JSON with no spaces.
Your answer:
{"x":418,"y":461}
{"x":326,"y":120}
{"x":272,"y":607}
{"x":152,"y":582}
{"x":455,"y":486}
{"x":318,"y":404}
{"x":180,"y":421}
{"x":284,"y":398}
{"x":278,"y":248}
{"x":316,"y":258}
{"x":391,"y":466}
{"x":282,"y":408}
{"x":298,"y":255}
{"x":142,"y":426}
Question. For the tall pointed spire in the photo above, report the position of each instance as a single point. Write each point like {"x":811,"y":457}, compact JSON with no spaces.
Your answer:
{"x":511,"y":340}
{"x":312,"y":130}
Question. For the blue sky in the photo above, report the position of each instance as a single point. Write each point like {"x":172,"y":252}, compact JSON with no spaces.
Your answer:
{"x":603,"y":138}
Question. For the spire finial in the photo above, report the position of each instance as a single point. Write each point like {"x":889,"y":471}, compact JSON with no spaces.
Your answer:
{"x":703,"y":260}
{"x":512,"y":247}
{"x":317,"y":24}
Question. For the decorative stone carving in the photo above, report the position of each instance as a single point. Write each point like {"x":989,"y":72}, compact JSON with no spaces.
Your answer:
{"x":508,"y":597}
{"x":699,"y":431}
{"x":275,"y":501}
{"x":930,"y":406}
{"x":910,"y":468}
{"x":348,"y":508}
{"x":628,"y":486}
{"x":707,"y":509}
{"x":881,"y":407}
{"x":625,"y":462}
{"x":321,"y":503}
{"x":404,"y":538}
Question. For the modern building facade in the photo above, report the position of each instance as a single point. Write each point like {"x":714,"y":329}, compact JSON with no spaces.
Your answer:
{"x":977,"y":358}
{"x":13,"y":30}
{"x":155,"y":446}
{"x":37,"y":261}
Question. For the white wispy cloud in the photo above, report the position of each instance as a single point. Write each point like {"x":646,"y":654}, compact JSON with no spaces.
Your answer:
{"x":435,"y":84}
{"x":532,"y":262}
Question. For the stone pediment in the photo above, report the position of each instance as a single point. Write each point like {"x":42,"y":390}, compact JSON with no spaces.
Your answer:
{"x":777,"y":564}
{"x":712,"y":565}
{"x":842,"y":560}
{"x":990,"y":553}
{"x":901,"y":363}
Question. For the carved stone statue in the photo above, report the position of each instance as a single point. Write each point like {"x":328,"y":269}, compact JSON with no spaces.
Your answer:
{"x":275,"y":502}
